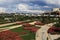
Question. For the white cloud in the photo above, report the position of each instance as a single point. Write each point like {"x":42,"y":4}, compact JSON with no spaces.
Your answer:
{"x":2,"y":9}
{"x":46,"y":6}
{"x":36,"y":11}
{"x":56,"y":2}
{"x":23,"y":7}
{"x":29,"y":0}
{"x":3,"y":0}
{"x":11,"y":1}
{"x":27,"y":8}
{"x":6,"y":1}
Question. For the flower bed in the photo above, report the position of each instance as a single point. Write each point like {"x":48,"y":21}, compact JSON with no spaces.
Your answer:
{"x":32,"y":29}
{"x":9,"y":35}
{"x":51,"y":31}
{"x":27,"y":28}
{"x":27,"y":25}
{"x":25,"y":34}
{"x":54,"y":30}
{"x":39,"y":23}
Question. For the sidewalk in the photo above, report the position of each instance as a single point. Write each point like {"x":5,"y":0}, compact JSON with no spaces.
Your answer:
{"x":42,"y":34}
{"x":12,"y":27}
{"x":8,"y":28}
{"x":7,"y":24}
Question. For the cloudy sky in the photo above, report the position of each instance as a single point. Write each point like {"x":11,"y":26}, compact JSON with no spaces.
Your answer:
{"x":28,"y":5}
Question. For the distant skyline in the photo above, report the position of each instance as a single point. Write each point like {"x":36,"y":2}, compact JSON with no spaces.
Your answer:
{"x":34,"y":6}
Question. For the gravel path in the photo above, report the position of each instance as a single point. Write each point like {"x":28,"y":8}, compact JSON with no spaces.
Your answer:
{"x":42,"y":34}
{"x":7,"y":24}
{"x":54,"y":36}
{"x":8,"y":28}
{"x":12,"y":27}
{"x":32,"y":23}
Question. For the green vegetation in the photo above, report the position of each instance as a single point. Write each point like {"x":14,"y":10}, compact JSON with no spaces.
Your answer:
{"x":14,"y":18}
{"x":28,"y":36}
{"x":57,"y":25}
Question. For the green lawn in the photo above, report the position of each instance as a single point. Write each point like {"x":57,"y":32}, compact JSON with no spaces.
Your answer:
{"x":29,"y":36}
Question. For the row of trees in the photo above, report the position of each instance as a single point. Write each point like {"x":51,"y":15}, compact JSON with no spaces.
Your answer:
{"x":23,"y":18}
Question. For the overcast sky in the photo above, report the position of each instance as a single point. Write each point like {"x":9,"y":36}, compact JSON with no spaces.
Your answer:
{"x":28,"y":5}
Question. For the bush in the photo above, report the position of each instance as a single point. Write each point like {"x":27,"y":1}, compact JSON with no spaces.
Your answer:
{"x":51,"y":30}
{"x":39,"y":23}
{"x":57,"y":25}
{"x":32,"y":29}
{"x":27,"y":25}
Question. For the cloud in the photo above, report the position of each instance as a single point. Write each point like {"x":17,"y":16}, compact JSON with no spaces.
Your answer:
{"x":23,"y":7}
{"x":12,"y":1}
{"x":46,"y":6}
{"x":28,"y":5}
{"x":3,"y":0}
{"x":46,"y":1}
{"x":35,"y":11}
{"x":28,"y":8}
{"x":2,"y":10}
{"x":6,"y":1}
{"x":56,"y":2}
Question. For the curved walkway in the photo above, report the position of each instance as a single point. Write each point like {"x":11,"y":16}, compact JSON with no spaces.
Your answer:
{"x":42,"y":34}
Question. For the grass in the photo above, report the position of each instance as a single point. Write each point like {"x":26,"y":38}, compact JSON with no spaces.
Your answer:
{"x":19,"y":29}
{"x":29,"y":36}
